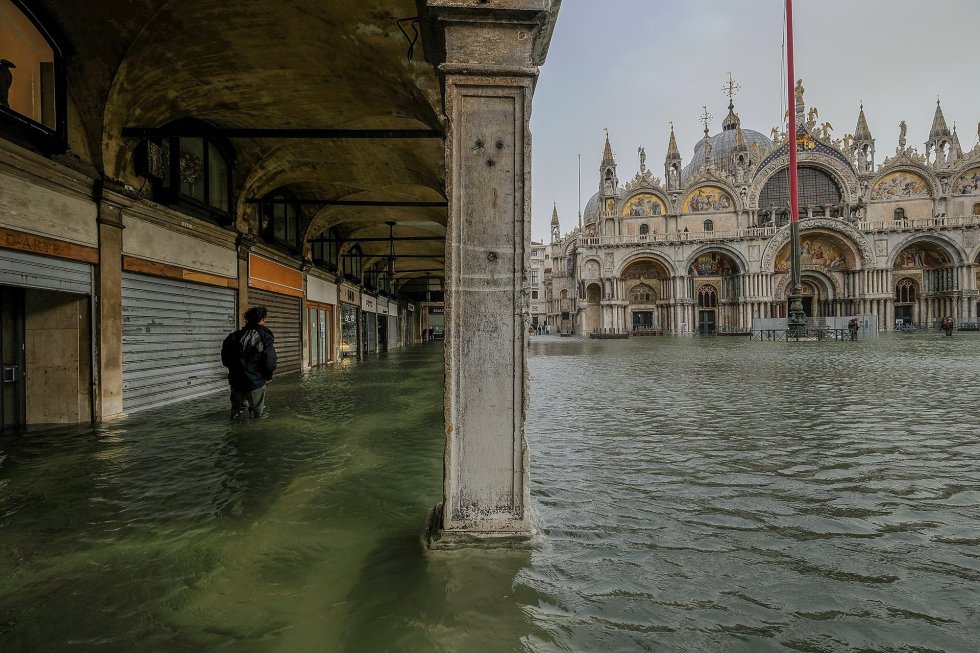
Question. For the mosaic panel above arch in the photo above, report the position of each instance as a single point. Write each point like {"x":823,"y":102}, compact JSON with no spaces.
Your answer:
{"x":713,"y":264}
{"x":818,"y":250}
{"x":968,"y":183}
{"x":707,"y":199}
{"x":899,"y":185}
{"x":922,"y":255}
{"x":645,"y":269}
{"x":643,"y":205}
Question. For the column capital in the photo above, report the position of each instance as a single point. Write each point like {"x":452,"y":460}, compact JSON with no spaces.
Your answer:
{"x":489,"y":37}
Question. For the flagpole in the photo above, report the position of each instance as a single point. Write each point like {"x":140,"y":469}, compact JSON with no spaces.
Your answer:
{"x":579,"y":191}
{"x":797,"y":318}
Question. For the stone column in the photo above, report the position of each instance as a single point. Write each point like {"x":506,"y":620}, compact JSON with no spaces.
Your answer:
{"x":108,"y":312}
{"x":490,"y":67}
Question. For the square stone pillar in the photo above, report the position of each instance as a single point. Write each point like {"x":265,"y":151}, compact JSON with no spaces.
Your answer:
{"x":108,"y":313}
{"x":492,"y":50}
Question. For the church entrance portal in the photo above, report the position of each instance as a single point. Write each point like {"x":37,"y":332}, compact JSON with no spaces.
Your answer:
{"x":706,"y":322}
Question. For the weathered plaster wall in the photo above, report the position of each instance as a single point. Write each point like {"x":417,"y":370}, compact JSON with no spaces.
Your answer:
{"x":157,"y":243}
{"x":40,"y":209}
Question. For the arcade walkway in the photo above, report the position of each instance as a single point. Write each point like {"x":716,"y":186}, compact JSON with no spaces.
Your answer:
{"x":177,"y":530}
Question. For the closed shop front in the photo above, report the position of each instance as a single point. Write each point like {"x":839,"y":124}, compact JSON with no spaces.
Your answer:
{"x":286,"y":322}
{"x":45,"y":338}
{"x":319,"y":334}
{"x":393,"y":340}
{"x":369,"y":323}
{"x":280,"y":290}
{"x":348,"y":329}
{"x":321,"y":303}
{"x":172,"y":335}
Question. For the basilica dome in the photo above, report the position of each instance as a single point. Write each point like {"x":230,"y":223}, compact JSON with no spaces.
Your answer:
{"x":722,"y":146}
{"x":591,"y":213}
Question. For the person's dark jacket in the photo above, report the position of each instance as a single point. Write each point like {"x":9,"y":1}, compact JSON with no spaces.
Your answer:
{"x":250,"y":356}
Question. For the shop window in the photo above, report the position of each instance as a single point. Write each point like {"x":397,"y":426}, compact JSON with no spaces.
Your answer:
{"x":709,"y":225}
{"x":280,"y":219}
{"x":191,"y":173}
{"x":32,"y":81}
{"x":899,"y":213}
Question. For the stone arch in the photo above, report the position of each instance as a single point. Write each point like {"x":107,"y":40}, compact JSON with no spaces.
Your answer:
{"x":639,"y":257}
{"x":591,"y":268}
{"x":843,"y":175}
{"x":593,"y":293}
{"x":731,"y":252}
{"x":830,"y":284}
{"x":855,"y":237}
{"x":956,"y":253}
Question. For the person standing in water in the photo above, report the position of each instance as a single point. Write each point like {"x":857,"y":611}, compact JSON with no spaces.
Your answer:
{"x":250,"y":356}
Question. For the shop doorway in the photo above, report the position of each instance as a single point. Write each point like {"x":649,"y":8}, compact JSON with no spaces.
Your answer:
{"x":12,"y":406}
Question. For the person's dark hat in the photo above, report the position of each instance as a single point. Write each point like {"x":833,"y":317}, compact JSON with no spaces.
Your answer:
{"x":7,"y":64}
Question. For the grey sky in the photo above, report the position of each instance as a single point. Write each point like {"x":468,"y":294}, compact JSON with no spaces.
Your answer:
{"x":635,"y":65}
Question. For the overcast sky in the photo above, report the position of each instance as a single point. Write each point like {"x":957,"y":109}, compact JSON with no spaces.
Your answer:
{"x":633,"y":66}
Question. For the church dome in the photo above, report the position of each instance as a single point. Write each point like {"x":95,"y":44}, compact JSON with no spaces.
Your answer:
{"x":591,"y":213}
{"x":722,"y":146}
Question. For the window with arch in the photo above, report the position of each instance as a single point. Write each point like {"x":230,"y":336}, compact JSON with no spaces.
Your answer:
{"x":899,"y":213}
{"x":709,"y":225}
{"x":976,"y":209}
{"x":192,"y":173}
{"x":707,"y":297}
{"x":817,"y":189}
{"x":32,"y":80}
{"x":644,"y":229}
{"x":641,"y":293}
{"x":905,"y":292}
{"x":354,"y":263}
{"x":279,"y":221}
{"x":325,"y":249}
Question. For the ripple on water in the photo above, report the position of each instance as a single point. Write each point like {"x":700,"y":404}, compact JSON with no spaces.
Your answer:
{"x":717,"y":494}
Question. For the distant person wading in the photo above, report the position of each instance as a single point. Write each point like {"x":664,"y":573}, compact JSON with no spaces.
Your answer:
{"x":250,"y":356}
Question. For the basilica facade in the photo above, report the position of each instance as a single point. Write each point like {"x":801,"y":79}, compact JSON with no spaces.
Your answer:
{"x":706,"y":249}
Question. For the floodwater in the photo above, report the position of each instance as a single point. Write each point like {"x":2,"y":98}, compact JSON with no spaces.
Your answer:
{"x":691,"y":494}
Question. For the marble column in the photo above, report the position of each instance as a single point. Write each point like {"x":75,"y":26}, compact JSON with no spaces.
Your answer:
{"x":491,"y":56}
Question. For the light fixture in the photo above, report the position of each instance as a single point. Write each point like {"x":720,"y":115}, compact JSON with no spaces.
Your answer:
{"x":390,"y":254}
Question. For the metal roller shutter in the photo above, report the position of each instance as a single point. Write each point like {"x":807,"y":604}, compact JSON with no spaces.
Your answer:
{"x":286,"y":322}
{"x":370,"y":333}
{"x":32,"y":271}
{"x":172,"y":335}
{"x":392,"y":332}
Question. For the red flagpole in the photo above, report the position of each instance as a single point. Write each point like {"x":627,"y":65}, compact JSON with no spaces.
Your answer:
{"x":793,"y":187}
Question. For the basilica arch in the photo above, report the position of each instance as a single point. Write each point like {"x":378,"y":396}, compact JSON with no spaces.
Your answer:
{"x":856,"y":240}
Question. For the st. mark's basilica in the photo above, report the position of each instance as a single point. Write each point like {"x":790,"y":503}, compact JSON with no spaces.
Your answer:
{"x":706,"y":248}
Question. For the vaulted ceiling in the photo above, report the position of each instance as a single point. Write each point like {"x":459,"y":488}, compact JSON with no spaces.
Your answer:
{"x":255,"y":64}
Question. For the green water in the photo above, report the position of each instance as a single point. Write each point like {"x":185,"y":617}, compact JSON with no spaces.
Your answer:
{"x":692,"y":494}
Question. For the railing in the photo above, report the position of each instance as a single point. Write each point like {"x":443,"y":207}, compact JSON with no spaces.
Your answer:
{"x":767,"y":232}
{"x":797,"y":335}
{"x":680,"y":237}
{"x":925,"y":223}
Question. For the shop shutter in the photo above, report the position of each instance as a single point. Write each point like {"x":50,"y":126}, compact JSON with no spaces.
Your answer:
{"x":33,"y":271}
{"x":172,"y":335}
{"x":286,"y":322}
